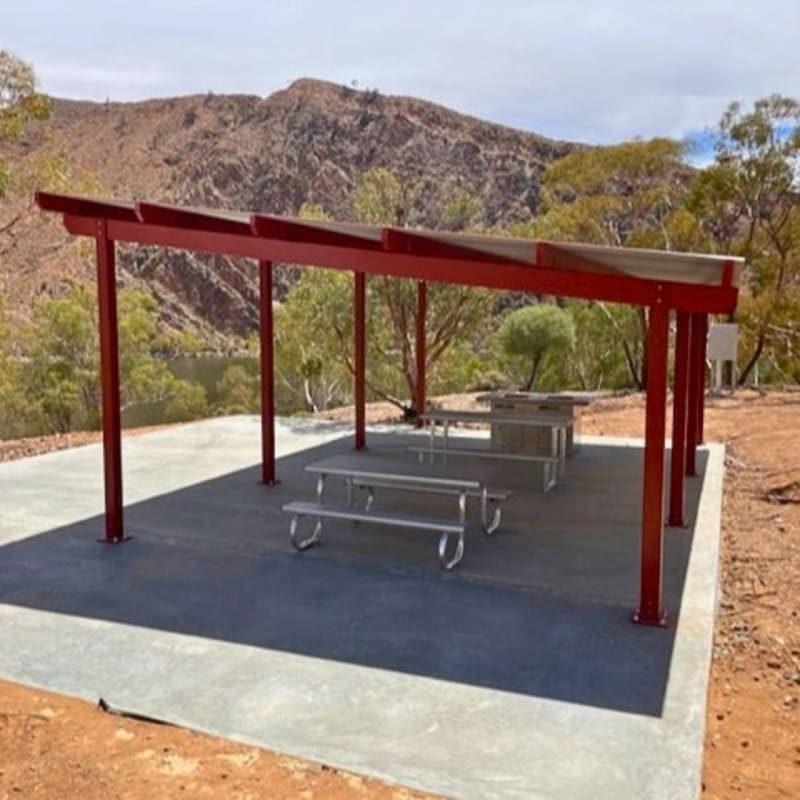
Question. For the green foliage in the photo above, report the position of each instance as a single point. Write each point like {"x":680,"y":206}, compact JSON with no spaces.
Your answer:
{"x":187,"y":402}
{"x":613,"y":195}
{"x":454,"y":313}
{"x":239,"y":389}
{"x":631,"y":194}
{"x":58,"y":376}
{"x":62,"y":371}
{"x":599,"y":358}
{"x":382,"y":198}
{"x":314,"y":345}
{"x":20,"y":103}
{"x":533,"y":334}
{"x":10,"y":395}
{"x":185,"y":342}
{"x":748,"y":203}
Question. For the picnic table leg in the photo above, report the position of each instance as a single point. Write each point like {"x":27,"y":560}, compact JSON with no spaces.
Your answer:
{"x":449,"y":563}
{"x":489,"y":527}
{"x":304,"y":544}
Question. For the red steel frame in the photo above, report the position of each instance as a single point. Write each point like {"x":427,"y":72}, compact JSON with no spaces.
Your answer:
{"x":109,"y":377}
{"x":650,"y":611}
{"x":406,"y":254}
{"x":360,"y":358}
{"x":701,"y":399}
{"x":680,"y":401}
{"x":696,"y":386}
{"x":267,"y":373}
{"x":455,"y":268}
{"x":422,"y":312}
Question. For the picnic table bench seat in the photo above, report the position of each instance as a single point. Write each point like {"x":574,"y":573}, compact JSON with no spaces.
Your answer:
{"x":550,"y":464}
{"x":447,"y":526}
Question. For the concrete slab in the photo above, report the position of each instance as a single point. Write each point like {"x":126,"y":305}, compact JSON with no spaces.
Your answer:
{"x":517,"y":675}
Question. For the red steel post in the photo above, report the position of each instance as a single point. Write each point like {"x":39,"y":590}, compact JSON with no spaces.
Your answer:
{"x":109,"y":379}
{"x":267,"y":374}
{"x":701,"y":399}
{"x":650,"y":611}
{"x":422,"y":310}
{"x":692,"y":404}
{"x":677,"y":486}
{"x":360,"y":358}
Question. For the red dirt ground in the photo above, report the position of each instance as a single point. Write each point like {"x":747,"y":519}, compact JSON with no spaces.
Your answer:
{"x":57,"y":747}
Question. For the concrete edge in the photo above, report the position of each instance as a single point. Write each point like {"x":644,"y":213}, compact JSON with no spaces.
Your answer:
{"x":686,"y":699}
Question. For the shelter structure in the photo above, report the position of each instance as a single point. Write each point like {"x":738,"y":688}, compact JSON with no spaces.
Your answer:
{"x":687,"y":286}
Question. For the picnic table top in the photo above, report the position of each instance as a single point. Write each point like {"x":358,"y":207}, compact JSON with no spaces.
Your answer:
{"x":544,"y":419}
{"x":538,"y":398}
{"x":353,"y":465}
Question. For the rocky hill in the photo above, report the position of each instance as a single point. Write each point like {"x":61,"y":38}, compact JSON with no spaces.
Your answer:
{"x":307,"y":143}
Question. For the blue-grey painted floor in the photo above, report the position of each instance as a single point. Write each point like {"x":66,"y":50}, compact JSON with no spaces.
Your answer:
{"x":519,"y":674}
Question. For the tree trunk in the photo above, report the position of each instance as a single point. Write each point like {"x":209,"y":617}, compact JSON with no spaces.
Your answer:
{"x":745,"y":373}
{"x":534,"y":370}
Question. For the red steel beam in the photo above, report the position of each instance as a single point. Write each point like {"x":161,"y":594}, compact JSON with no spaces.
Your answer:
{"x":680,"y":398}
{"x":650,"y":611}
{"x":86,"y":207}
{"x":293,"y":231}
{"x":109,"y":380}
{"x":360,"y":358}
{"x":464,"y":271}
{"x":422,"y":311}
{"x":267,"y":374}
{"x":549,"y":255}
{"x":396,"y":240}
{"x":193,"y":219}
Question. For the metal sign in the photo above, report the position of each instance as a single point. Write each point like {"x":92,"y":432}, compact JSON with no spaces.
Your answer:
{"x":722,"y":340}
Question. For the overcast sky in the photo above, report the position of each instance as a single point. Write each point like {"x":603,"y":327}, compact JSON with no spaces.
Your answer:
{"x":574,"y":69}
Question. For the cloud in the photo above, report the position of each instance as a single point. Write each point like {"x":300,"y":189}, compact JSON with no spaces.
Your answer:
{"x":576,"y":69}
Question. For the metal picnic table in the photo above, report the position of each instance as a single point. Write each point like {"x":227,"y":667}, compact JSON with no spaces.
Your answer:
{"x":370,"y":473}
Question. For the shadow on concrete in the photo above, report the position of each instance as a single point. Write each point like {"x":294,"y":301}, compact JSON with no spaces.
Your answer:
{"x":541,"y":609}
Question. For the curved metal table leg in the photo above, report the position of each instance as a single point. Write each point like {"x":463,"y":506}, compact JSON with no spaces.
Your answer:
{"x":309,"y":541}
{"x":490,"y":527}
{"x":445,"y":561}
